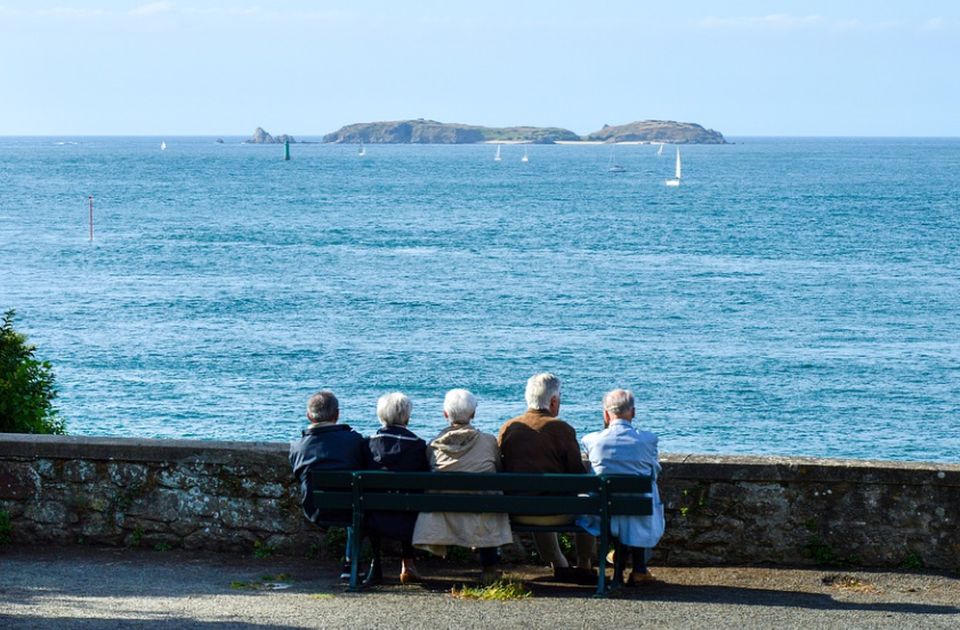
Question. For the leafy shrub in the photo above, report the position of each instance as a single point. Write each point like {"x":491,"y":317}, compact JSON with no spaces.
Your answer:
{"x":27,"y":386}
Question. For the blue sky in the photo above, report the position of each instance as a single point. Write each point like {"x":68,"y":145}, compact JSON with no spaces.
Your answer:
{"x":306,"y":68}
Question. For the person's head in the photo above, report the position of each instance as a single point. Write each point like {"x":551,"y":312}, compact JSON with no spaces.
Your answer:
{"x":394,"y":409}
{"x":618,"y":404}
{"x":459,"y":406}
{"x":543,"y":393}
{"x":323,"y":407}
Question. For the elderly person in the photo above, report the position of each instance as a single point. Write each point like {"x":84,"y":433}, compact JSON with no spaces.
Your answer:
{"x":326,"y":445}
{"x":462,"y":448}
{"x":393,"y":447}
{"x":539,"y":441}
{"x":620,"y":448}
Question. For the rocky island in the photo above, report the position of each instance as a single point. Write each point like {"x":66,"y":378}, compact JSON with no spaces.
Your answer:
{"x":262,"y":137}
{"x":422,"y":131}
{"x":667,"y":131}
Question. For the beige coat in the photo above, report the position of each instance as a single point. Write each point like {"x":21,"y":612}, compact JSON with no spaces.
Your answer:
{"x":461,"y":448}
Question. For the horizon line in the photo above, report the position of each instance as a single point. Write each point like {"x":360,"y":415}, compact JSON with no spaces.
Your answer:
{"x":309,"y":135}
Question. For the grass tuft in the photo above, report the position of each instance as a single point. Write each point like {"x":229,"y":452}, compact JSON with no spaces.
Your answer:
{"x":501,"y":590}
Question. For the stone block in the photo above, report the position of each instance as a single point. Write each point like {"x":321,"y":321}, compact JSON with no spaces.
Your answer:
{"x":80,"y":471}
{"x":127,"y":474}
{"x":158,"y":505}
{"x":18,"y":480}
{"x":48,"y":512}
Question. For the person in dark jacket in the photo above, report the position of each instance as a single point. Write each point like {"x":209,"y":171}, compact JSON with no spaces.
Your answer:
{"x":326,"y":445}
{"x":395,"y":448}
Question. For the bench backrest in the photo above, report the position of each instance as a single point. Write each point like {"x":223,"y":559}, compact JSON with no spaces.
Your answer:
{"x":519,"y":493}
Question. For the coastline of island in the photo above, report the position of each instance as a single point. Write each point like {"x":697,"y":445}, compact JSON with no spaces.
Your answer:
{"x":424,"y":131}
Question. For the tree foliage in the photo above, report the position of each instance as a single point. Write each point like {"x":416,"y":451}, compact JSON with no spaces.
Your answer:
{"x":27,"y":386}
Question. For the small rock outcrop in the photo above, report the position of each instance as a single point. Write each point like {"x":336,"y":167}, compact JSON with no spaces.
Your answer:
{"x":667,"y":131}
{"x":260,"y":136}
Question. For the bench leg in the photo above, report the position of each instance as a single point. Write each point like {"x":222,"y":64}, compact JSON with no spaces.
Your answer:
{"x":602,"y":563}
{"x":355,"y":541}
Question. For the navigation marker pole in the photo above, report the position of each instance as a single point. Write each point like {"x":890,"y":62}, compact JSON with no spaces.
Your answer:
{"x":90,"y":198}
{"x":286,"y":150}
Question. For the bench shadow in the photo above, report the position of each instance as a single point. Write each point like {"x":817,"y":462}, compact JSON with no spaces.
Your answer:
{"x":543,"y":587}
{"x":175,"y":623}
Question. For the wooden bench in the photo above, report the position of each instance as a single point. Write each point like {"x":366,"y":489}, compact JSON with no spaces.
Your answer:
{"x":604,"y":496}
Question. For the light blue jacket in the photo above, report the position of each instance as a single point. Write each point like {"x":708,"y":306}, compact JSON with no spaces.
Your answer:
{"x":620,"y":449}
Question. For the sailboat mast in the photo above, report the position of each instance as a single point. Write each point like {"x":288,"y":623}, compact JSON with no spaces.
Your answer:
{"x":678,"y":162}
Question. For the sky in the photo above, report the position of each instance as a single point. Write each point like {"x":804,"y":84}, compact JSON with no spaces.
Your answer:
{"x":194,"y":67}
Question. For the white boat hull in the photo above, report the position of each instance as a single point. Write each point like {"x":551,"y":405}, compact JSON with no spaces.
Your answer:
{"x":673,"y":183}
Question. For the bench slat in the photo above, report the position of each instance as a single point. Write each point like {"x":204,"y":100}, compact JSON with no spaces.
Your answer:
{"x":505,"y":482}
{"x":473,"y":503}
{"x":630,"y":505}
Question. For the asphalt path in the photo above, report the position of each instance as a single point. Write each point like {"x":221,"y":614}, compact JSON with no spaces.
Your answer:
{"x":126,"y":588}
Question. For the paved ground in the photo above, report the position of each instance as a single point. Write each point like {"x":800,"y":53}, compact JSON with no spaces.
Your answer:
{"x":110,"y":588}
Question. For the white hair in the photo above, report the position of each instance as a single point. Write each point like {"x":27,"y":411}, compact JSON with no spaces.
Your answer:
{"x":460,"y":405}
{"x":394,"y":409}
{"x":618,"y":402}
{"x":540,"y":389}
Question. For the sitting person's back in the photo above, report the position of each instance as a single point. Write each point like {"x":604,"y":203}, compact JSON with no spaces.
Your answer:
{"x":622,"y":449}
{"x":394,"y":448}
{"x":325,"y":445}
{"x":462,"y":448}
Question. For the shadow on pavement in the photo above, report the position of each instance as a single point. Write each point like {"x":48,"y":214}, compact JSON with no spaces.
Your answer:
{"x":36,"y":621}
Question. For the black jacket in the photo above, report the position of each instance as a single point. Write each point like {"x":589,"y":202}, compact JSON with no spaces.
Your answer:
{"x":399,"y":450}
{"x":332,"y":447}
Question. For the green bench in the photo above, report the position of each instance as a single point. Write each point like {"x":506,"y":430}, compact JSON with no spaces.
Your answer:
{"x":601,"y":495}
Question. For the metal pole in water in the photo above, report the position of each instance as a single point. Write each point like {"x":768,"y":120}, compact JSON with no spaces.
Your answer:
{"x":286,"y":150}
{"x":90,"y":199}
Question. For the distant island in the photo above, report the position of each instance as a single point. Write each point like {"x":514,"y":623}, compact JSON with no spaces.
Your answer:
{"x":422,"y":131}
{"x":667,"y":131}
{"x":262,"y":137}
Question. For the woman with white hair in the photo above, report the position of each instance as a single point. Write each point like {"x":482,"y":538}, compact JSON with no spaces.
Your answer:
{"x":394,"y":447}
{"x":462,"y":448}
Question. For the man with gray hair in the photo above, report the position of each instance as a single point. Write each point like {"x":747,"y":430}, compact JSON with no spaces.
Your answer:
{"x":623,"y":449}
{"x":325,"y":445}
{"x":539,"y":441}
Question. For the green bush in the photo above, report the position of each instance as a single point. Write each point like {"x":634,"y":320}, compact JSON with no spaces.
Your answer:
{"x":27,"y":387}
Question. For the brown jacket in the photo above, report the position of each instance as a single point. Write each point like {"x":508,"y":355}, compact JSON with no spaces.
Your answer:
{"x":538,"y":442}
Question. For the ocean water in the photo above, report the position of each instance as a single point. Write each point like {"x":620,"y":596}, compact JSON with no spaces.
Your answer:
{"x":794,"y":296}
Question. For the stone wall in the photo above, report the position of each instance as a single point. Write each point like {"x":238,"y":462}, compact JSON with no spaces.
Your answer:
{"x":240,"y":496}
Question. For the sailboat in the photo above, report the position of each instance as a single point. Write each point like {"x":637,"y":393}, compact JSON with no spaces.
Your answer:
{"x":676,"y":180}
{"x":660,"y":150}
{"x":525,"y":158}
{"x":612,"y":166}
{"x":362,"y":152}
{"x":497,"y":157}
{"x":163,"y":145}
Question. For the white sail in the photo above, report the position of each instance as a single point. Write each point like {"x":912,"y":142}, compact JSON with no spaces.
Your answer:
{"x":525,"y":158}
{"x":675,"y":182}
{"x":660,"y":150}
{"x":497,"y":157}
{"x":362,"y":152}
{"x":163,"y":145}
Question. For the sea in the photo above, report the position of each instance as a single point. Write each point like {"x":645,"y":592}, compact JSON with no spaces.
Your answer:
{"x":794,"y":296}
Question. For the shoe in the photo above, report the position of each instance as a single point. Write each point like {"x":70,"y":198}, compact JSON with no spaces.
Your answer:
{"x":575,"y":575}
{"x":490,"y":575}
{"x":345,"y":572}
{"x":640,"y":579}
{"x":410,"y":577}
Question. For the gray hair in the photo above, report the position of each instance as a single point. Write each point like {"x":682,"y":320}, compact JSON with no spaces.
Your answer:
{"x":460,"y":405}
{"x":322,"y":407}
{"x":540,"y":389}
{"x":394,"y":409}
{"x":618,"y":402}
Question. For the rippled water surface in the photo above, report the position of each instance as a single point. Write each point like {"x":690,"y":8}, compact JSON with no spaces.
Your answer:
{"x":794,"y":296}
